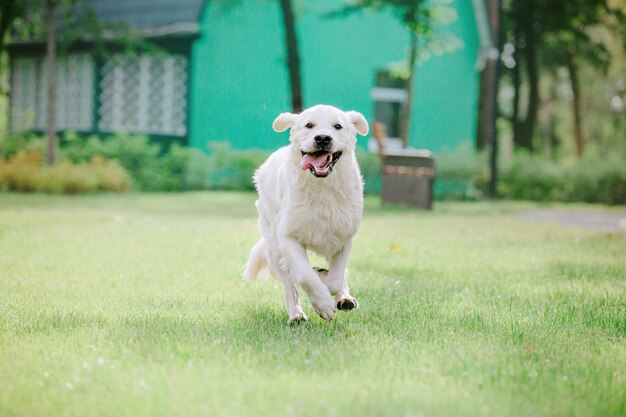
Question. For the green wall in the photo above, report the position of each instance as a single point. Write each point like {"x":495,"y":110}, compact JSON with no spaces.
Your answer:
{"x":239,"y":81}
{"x":446,"y":89}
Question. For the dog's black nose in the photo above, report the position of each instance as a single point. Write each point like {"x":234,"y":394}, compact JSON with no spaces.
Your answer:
{"x":323,"y":140}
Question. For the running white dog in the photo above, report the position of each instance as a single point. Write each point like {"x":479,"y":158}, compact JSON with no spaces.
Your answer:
{"x":310,"y":197}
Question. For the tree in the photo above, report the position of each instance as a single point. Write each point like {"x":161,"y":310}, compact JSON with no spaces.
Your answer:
{"x":24,"y":17}
{"x":488,"y":106}
{"x":50,"y":67}
{"x":563,"y":28}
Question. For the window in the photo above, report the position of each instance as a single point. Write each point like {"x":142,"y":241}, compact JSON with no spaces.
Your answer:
{"x":144,"y":94}
{"x":389,"y":97}
{"x":74,"y":82}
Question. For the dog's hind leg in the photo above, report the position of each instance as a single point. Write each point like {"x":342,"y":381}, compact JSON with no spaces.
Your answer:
{"x":292,"y":298}
{"x":292,"y":301}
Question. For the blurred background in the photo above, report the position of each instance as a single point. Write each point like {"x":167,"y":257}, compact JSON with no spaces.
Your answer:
{"x":515,"y":99}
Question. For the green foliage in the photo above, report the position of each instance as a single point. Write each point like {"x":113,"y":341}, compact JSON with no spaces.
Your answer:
{"x":371,"y":166}
{"x":460,"y":173}
{"x":592,"y":179}
{"x":418,"y":16}
{"x":178,"y":168}
{"x":231,"y":169}
{"x":25,"y":172}
{"x":135,"y":153}
{"x":11,"y":143}
{"x":153,"y":168}
{"x":546,"y":38}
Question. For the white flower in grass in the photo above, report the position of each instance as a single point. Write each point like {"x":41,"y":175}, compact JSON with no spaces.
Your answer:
{"x":143,"y":385}
{"x":46,"y":374}
{"x":100,"y":361}
{"x":69,"y":386}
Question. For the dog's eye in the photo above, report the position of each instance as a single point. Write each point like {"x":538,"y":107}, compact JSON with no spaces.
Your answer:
{"x":338,"y":126}
{"x":309,"y":125}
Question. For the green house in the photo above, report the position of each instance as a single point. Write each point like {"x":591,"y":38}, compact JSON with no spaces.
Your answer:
{"x":221,"y":73}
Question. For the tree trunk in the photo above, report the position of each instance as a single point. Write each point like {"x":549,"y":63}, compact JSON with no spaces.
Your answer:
{"x":517,"y":90}
{"x":578,"y":129}
{"x":293,"y":57}
{"x":50,"y":58}
{"x":524,"y":138}
{"x":487,"y":106}
{"x":487,"y":81}
{"x":491,"y":99}
{"x":408,"y":105}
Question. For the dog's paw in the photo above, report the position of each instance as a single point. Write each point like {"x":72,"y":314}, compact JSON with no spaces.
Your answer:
{"x":297,"y":319}
{"x":325,"y":307}
{"x":347,"y":303}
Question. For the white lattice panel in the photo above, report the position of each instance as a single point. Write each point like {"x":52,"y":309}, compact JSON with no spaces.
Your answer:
{"x":144,"y":94}
{"x":74,"y":85}
{"x":23,"y":94}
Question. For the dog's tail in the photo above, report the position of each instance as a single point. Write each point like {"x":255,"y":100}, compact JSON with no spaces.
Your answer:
{"x":256,"y":262}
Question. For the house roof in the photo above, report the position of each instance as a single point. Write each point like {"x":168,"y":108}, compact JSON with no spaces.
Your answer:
{"x":147,"y":14}
{"x":150,"y":18}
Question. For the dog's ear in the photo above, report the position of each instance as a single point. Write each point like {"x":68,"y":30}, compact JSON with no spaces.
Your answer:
{"x":283,"y":122}
{"x":359,"y":122}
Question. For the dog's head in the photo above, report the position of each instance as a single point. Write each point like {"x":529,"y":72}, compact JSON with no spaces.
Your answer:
{"x":322,"y":134}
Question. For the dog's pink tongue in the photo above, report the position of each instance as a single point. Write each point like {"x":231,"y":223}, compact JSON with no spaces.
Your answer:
{"x":318,"y":162}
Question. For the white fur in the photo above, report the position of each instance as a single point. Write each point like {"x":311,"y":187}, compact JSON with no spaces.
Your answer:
{"x":300,"y":212}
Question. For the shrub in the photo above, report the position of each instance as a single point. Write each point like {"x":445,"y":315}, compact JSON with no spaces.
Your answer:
{"x":596,"y":179}
{"x":528,"y":177}
{"x":135,"y":153}
{"x":11,"y":143}
{"x":25,"y":172}
{"x":371,"y":166}
{"x":231,"y":169}
{"x":591,"y":179}
{"x":460,"y":173}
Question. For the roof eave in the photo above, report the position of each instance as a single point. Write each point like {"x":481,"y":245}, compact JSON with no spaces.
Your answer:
{"x":181,"y":30}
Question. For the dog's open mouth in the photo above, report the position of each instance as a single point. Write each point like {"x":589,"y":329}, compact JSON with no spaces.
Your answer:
{"x":320,"y":163}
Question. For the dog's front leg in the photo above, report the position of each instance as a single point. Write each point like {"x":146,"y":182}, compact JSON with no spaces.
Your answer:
{"x":305,"y":276}
{"x":337,"y":279}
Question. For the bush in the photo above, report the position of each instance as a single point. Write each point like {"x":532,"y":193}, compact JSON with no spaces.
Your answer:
{"x":591,"y":179}
{"x":371,"y":166}
{"x":231,"y":169}
{"x":135,"y":153}
{"x":25,"y":172}
{"x":12,"y":143}
{"x":601,"y":180}
{"x":460,"y":173}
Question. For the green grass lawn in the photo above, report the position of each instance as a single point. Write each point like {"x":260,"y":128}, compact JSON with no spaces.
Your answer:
{"x":132,"y":305}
